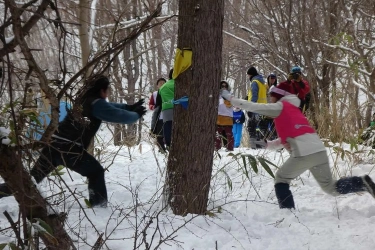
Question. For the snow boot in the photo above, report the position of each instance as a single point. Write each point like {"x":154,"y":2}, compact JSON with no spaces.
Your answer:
{"x":350,"y":185}
{"x":284,"y":195}
{"x":369,"y":185}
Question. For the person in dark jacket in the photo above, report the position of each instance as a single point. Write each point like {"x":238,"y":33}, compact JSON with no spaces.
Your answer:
{"x":70,"y":141}
{"x":238,"y":121}
{"x":157,"y":117}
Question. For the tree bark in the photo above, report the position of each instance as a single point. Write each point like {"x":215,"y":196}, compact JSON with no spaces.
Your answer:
{"x":191,"y":156}
{"x":84,"y":17}
{"x":32,"y":204}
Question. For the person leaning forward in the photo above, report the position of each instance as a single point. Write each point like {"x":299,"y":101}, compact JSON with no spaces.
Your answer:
{"x":74,"y":134}
{"x":307,"y":151}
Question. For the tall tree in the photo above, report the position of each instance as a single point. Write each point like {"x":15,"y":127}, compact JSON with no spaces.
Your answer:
{"x":190,"y":161}
{"x":84,"y":20}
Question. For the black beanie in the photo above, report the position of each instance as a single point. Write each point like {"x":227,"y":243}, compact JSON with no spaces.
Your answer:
{"x":96,"y":84}
{"x":92,"y":89}
{"x":102,"y":82}
{"x":252,"y":71}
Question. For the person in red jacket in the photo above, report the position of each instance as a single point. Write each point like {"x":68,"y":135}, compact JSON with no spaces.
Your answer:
{"x":299,"y":86}
{"x":157,"y":117}
{"x":152,"y":102}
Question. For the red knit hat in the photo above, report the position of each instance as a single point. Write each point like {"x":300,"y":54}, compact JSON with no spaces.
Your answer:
{"x":281,"y":90}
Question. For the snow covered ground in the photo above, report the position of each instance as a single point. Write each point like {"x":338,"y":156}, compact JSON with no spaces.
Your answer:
{"x":245,"y":214}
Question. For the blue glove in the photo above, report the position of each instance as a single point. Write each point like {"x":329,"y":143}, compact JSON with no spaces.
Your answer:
{"x":226,"y":94}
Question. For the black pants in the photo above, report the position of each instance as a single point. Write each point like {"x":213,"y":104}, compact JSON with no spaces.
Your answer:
{"x":159,"y":133}
{"x":271,"y":133}
{"x":75,"y":158}
{"x":257,"y":126}
{"x":167,"y":129}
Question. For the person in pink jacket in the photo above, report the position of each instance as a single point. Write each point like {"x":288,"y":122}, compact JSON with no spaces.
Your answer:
{"x":307,"y":151}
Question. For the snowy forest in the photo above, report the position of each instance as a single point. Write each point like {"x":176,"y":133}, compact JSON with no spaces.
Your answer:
{"x":191,"y":197}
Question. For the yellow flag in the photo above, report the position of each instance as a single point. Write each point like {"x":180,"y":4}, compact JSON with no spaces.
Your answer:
{"x":182,"y":61}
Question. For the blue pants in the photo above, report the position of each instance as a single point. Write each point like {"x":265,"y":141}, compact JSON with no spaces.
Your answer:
{"x":237,"y":134}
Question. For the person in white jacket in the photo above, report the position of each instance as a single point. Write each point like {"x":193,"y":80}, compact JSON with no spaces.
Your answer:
{"x":307,"y":151}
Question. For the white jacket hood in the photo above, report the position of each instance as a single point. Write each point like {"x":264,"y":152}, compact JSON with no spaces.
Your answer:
{"x":293,"y":99}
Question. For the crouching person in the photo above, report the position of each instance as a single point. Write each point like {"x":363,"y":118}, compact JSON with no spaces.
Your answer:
{"x":307,"y":152}
{"x":74,"y":134}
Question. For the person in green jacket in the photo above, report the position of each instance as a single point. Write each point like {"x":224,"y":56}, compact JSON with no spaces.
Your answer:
{"x":165,"y":99}
{"x":372,"y":123}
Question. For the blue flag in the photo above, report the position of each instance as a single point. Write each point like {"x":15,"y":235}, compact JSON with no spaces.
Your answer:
{"x":183,"y":101}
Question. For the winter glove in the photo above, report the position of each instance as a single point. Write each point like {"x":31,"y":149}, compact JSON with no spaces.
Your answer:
{"x":140,"y":110}
{"x":132,"y":107}
{"x":226,"y":94}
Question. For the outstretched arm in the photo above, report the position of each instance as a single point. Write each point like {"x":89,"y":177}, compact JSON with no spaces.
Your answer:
{"x":271,"y":110}
{"x":119,"y":105}
{"x":108,"y":112}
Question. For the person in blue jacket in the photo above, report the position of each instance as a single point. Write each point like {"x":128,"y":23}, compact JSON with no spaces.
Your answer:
{"x":74,"y":134}
{"x":238,"y":121}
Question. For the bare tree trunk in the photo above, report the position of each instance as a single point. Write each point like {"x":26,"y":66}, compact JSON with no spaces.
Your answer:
{"x":191,"y":156}
{"x":32,"y":204}
{"x":84,"y":17}
{"x":127,"y":134}
{"x":132,"y":69}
